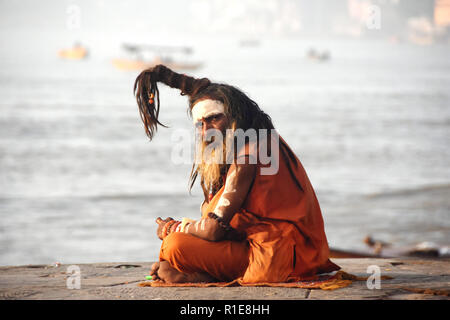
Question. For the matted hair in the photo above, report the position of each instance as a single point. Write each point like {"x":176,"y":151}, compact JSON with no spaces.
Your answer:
{"x":147,"y":93}
{"x":243,"y":112}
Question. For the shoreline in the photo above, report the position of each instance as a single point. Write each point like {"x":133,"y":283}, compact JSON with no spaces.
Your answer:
{"x":412,"y":279}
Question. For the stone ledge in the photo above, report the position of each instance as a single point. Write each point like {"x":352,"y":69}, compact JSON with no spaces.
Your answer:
{"x":119,"y":281}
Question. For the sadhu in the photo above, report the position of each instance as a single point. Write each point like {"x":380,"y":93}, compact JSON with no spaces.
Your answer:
{"x":254,"y":225}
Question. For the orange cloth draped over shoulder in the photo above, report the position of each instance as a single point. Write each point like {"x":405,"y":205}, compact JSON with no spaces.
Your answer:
{"x":283,"y":222}
{"x":285,"y":232}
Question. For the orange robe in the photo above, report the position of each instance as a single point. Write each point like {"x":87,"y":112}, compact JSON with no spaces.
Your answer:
{"x":281,"y":216}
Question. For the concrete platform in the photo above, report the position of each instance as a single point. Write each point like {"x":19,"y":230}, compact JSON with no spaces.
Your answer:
{"x":120,"y":281}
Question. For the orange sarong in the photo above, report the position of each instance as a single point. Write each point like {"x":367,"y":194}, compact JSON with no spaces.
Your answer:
{"x":286,"y":239}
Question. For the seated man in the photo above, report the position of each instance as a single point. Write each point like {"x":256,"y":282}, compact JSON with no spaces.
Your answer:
{"x":260,"y":220}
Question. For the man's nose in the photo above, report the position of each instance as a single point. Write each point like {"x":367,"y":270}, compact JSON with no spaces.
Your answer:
{"x":205,"y":127}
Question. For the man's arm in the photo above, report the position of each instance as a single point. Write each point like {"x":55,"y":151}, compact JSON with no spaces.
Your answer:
{"x":239,"y":179}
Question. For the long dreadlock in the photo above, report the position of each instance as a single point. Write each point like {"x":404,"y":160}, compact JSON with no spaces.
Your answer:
{"x":244,"y":112}
{"x":147,"y":93}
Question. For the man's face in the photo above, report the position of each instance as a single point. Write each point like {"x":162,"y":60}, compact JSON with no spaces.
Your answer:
{"x":211,"y":160}
{"x":217,"y":121}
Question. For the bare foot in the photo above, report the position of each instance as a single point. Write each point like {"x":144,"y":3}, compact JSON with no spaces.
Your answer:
{"x":164,"y":271}
{"x":154,"y":271}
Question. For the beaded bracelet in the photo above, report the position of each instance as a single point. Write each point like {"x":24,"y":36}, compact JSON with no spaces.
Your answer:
{"x":232,"y":234}
{"x":222,"y":223}
{"x":166,"y":228}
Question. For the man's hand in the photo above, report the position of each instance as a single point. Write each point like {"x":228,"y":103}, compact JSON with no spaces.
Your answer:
{"x":161,"y":223}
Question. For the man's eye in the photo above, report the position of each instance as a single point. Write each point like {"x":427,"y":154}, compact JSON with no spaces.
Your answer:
{"x":198,"y":124}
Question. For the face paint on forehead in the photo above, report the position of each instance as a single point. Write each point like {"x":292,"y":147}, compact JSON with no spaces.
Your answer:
{"x":206,"y":108}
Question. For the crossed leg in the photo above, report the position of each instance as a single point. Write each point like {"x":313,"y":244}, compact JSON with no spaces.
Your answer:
{"x":186,"y":258}
{"x":164,"y":271}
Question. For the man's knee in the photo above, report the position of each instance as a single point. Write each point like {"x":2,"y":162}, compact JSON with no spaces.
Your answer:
{"x":174,"y":246}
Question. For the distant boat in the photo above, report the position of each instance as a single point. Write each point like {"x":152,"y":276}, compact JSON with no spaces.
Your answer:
{"x":136,"y":61}
{"x":421,"y":31}
{"x":249,"y":43}
{"x":77,"y":52}
{"x":131,"y":64}
{"x":314,"y":55}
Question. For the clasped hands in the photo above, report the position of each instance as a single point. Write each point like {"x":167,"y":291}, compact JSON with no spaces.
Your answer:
{"x":161,"y":224}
